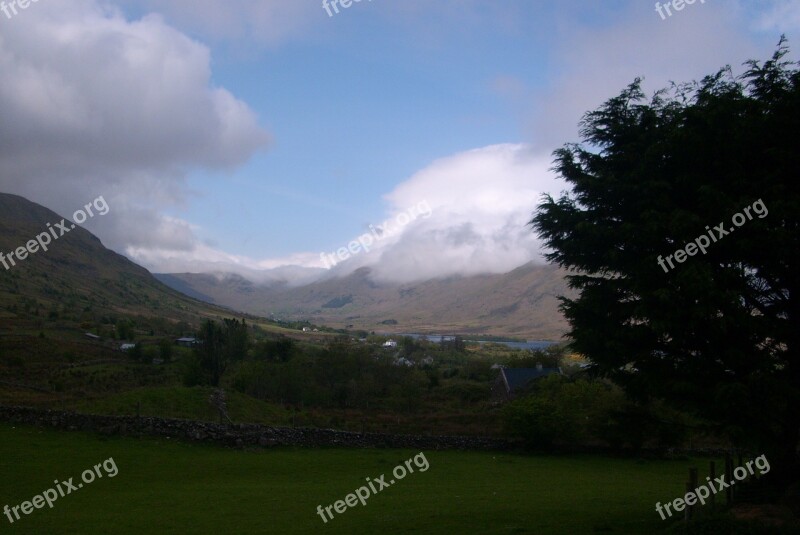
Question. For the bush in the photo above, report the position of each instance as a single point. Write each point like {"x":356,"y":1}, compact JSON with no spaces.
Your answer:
{"x":584,"y":412}
{"x":193,"y":373}
{"x":466,"y":392}
{"x":633,"y":426}
{"x":136,"y":353}
{"x":562,"y":412}
{"x":280,"y":350}
{"x":15,"y":362}
{"x":149,"y":354}
{"x":725,"y":523}
{"x":165,"y":349}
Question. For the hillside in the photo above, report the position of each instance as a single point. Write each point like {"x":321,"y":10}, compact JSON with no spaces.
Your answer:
{"x":79,"y":278}
{"x":77,"y":275}
{"x":522,"y":303}
{"x":51,"y":299}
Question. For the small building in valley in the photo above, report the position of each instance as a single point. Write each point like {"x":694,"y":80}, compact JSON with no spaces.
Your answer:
{"x":512,"y":382}
{"x":187,"y":342}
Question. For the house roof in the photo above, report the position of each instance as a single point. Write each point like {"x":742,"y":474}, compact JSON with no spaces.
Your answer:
{"x":516,"y":378}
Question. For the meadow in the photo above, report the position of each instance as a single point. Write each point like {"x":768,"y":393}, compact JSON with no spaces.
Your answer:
{"x":166,"y":486}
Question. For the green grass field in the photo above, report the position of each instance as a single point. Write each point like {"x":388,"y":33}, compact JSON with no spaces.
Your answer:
{"x":164,"y":486}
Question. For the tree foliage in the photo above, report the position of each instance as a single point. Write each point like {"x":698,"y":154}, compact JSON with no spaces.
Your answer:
{"x":719,"y":333}
{"x":220,"y":344}
{"x":562,"y":412}
{"x":279,"y":350}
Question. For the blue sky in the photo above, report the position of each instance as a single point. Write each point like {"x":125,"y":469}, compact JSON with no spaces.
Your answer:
{"x":354,"y":112}
{"x":249,"y":135}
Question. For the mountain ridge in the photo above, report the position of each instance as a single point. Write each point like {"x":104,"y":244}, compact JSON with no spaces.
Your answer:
{"x":523,"y":302}
{"x":78,"y":276}
{"x":78,"y":272}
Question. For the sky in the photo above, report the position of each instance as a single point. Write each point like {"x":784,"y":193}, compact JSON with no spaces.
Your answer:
{"x":281,"y":140}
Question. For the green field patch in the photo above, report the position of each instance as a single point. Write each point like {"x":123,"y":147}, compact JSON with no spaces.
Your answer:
{"x":164,"y":486}
{"x":186,"y":403}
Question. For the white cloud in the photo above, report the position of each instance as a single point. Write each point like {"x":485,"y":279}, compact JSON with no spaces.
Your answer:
{"x":255,"y":21}
{"x":467,"y":214}
{"x":595,"y":62}
{"x":295,"y":269}
{"x":481,"y":202}
{"x":472,"y":217}
{"x":94,"y":104}
{"x":783,"y":16}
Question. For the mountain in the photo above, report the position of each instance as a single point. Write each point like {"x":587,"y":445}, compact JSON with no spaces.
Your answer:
{"x":522,"y":303}
{"x":76,"y":277}
{"x":78,"y":280}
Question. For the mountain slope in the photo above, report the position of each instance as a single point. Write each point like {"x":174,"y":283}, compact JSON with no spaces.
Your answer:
{"x":77,"y":276}
{"x":521,"y":303}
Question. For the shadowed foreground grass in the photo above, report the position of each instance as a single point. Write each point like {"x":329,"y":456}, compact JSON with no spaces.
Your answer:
{"x":165,"y":486}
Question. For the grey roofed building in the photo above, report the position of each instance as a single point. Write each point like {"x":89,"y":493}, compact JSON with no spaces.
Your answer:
{"x":512,"y":381}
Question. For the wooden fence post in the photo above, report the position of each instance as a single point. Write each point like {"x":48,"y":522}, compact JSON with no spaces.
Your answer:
{"x":690,"y":486}
{"x":712,"y":472}
{"x":729,"y":479}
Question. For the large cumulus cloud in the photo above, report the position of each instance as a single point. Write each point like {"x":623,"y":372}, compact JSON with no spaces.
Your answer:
{"x":480,"y":202}
{"x":92,"y":103}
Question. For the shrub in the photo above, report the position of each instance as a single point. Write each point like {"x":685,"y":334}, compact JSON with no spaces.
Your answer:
{"x":165,"y":349}
{"x":725,"y":523}
{"x":466,"y":392}
{"x":193,"y":373}
{"x":582,"y":412}
{"x":560,"y":411}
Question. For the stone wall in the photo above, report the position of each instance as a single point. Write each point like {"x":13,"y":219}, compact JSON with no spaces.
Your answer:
{"x":241,"y":435}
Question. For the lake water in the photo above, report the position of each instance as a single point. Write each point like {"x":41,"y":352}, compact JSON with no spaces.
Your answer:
{"x":530,"y":344}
